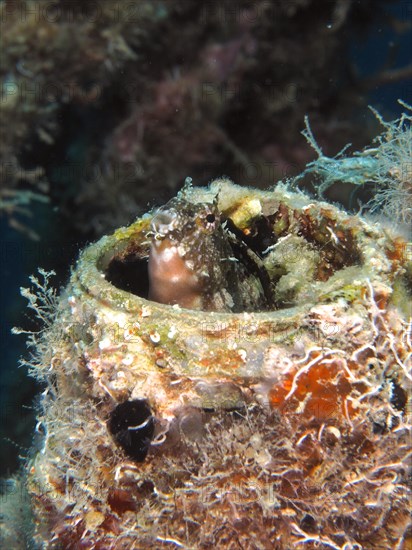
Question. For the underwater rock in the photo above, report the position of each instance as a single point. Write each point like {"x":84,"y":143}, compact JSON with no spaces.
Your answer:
{"x":272,"y":413}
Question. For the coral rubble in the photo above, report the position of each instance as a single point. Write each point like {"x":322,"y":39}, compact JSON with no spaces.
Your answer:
{"x":285,"y":425}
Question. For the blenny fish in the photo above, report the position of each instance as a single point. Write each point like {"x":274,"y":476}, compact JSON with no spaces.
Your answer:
{"x":195,"y":261}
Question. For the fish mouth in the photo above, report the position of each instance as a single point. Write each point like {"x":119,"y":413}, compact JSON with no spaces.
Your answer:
{"x":164,"y":221}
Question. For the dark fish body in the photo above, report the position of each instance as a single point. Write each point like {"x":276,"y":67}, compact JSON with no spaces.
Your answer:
{"x":192,"y":261}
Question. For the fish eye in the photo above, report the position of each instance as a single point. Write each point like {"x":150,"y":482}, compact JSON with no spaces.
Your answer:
{"x":210,"y":218}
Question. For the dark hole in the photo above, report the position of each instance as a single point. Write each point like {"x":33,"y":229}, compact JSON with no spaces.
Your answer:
{"x":129,"y":273}
{"x":132,"y":425}
{"x":399,"y":397}
{"x":261,"y":234}
{"x":308,"y":523}
{"x":379,"y":427}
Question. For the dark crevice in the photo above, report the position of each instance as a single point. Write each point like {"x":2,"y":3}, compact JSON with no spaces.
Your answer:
{"x":129,"y":273}
{"x":132,"y":426}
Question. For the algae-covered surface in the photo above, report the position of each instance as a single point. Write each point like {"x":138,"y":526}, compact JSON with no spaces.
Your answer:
{"x":221,"y":360}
